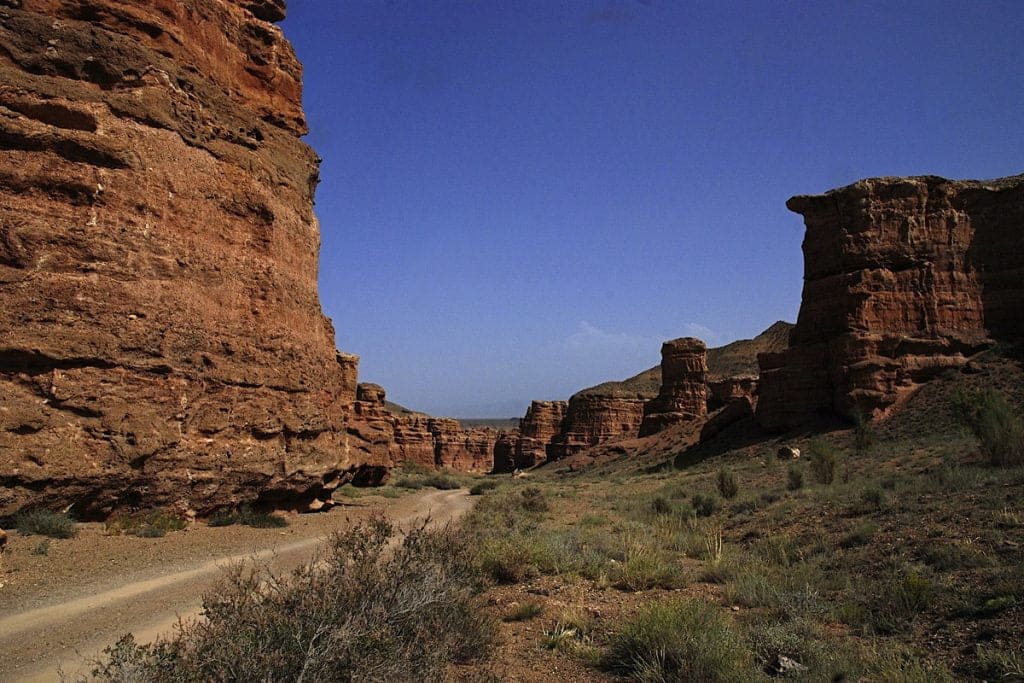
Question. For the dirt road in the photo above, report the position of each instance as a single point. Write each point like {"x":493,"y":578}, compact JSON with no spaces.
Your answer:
{"x":67,"y":632}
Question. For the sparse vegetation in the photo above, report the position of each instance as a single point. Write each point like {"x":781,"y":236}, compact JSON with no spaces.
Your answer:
{"x":45,"y":523}
{"x":524,"y":611}
{"x":794,"y":478}
{"x":363,"y":611}
{"x":146,"y":524}
{"x":679,"y":641}
{"x":246,"y":516}
{"x":704,"y":506}
{"x":999,"y":428}
{"x":483,"y":487}
{"x":824,"y":461}
{"x":727,"y":485}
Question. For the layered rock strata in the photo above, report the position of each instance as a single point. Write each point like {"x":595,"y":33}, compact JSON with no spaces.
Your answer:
{"x":684,"y":389}
{"x":162,"y":339}
{"x":541,"y":424}
{"x":592,"y":419}
{"x":903,"y":278}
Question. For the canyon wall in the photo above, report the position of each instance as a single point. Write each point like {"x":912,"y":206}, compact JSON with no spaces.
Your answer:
{"x":162,"y":338}
{"x":903,"y":278}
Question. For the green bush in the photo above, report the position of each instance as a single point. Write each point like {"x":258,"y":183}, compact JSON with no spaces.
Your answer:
{"x":532,"y":499}
{"x":482,"y":487}
{"x":444,"y":482}
{"x":223,"y":518}
{"x":45,"y":523}
{"x":794,"y":478}
{"x":406,"y":482}
{"x":682,"y":640}
{"x":153,"y":523}
{"x":704,"y":506}
{"x":367,"y":610}
{"x":863,"y":433}
{"x":859,"y":535}
{"x":996,"y":424}
{"x":660,"y":505}
{"x":727,"y":485}
{"x":524,"y":611}
{"x":824,"y":461}
{"x":260,"y":520}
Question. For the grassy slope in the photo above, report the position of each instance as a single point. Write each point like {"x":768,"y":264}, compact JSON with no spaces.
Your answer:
{"x":907,"y":567}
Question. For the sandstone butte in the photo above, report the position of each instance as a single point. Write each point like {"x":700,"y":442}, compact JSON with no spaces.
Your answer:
{"x":162,"y":338}
{"x":904,"y":278}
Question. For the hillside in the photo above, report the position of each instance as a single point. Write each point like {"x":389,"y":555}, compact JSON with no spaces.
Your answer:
{"x":732,"y":360}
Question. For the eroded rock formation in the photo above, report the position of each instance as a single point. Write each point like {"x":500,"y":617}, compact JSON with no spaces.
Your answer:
{"x":903,"y":278}
{"x":592,"y":419}
{"x":542,"y":423}
{"x":162,"y":338}
{"x":684,"y":389}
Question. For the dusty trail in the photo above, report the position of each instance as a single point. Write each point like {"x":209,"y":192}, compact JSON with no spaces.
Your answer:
{"x":66,"y":634}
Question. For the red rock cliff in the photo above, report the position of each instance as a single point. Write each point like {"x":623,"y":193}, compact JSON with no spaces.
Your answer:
{"x":592,"y":419}
{"x":684,"y":388}
{"x":162,"y":338}
{"x":903,"y":278}
{"x":542,"y":422}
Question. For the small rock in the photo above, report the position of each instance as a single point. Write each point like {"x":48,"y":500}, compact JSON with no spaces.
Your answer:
{"x":788,"y":453}
{"x":784,"y":666}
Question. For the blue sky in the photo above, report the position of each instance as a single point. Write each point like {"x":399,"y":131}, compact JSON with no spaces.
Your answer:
{"x":520,"y":199}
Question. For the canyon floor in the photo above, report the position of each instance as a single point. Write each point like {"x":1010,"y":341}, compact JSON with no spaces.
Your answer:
{"x":59,"y":610}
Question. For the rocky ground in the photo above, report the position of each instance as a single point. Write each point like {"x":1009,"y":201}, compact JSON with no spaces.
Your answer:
{"x":62,"y":606}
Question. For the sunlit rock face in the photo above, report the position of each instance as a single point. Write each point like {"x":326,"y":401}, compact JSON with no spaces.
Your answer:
{"x":542,"y":422}
{"x":904,"y":278}
{"x":593,"y":419}
{"x":162,"y":338}
{"x":684,"y":386}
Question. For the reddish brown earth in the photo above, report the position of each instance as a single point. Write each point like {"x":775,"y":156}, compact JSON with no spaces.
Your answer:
{"x":904,"y":278}
{"x":162,"y":338}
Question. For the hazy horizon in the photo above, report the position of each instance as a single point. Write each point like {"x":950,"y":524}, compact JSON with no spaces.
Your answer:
{"x":520,"y":200}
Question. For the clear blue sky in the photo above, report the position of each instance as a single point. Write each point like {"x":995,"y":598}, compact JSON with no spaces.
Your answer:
{"x":520,"y":199}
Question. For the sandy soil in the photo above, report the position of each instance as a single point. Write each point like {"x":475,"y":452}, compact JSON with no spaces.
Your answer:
{"x":59,"y":610}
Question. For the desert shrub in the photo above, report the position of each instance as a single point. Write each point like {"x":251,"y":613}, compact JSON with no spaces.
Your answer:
{"x":645,"y":566}
{"x":45,"y":523}
{"x":824,"y":461}
{"x":727,"y":485}
{"x":872,"y":499}
{"x":660,"y":505}
{"x":223,"y":518}
{"x":859,"y":535}
{"x":743,"y":506}
{"x":682,"y":640}
{"x":532,"y":499}
{"x":1000,"y":664}
{"x":364,"y":611}
{"x":863,"y":432}
{"x":900,"y":598}
{"x":444,"y":482}
{"x":524,"y":611}
{"x":951,"y":556}
{"x":483,"y":487}
{"x":407,"y":482}
{"x":594,"y":520}
{"x":704,"y":506}
{"x":516,"y":557}
{"x":42,"y":548}
{"x":153,"y":523}
{"x":999,"y":428}
{"x":260,"y":520}
{"x":794,"y":478}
